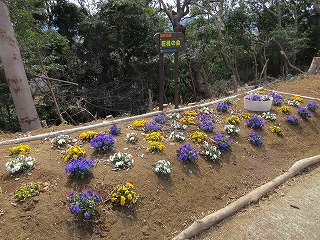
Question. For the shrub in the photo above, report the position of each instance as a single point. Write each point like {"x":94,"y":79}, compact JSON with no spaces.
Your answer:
{"x":121,"y":160}
{"x":22,"y":149}
{"x":211,"y":153}
{"x":74,"y":152}
{"x":224,"y":143}
{"x":80,"y":167}
{"x":124,"y":195}
{"x":163,"y":168}
{"x":304,"y":112}
{"x":27,"y":191}
{"x":20,"y":164}
{"x":255,"y":139}
{"x":255,"y":122}
{"x":102,"y":142}
{"x":83,"y":205}
{"x":187,"y":154}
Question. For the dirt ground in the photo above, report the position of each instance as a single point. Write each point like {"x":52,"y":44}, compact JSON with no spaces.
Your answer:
{"x":167,"y":206}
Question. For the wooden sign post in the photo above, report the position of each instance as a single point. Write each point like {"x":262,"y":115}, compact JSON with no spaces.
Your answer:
{"x":170,"y":42}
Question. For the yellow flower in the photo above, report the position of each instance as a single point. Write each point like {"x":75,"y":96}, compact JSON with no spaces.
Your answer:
{"x":233,"y":120}
{"x":139,"y":123}
{"x":246,"y":115}
{"x":113,"y":199}
{"x":297,"y":98}
{"x":284,"y":109}
{"x":129,"y":196}
{"x":191,"y":113}
{"x":199,"y":137}
{"x":154,"y":136}
{"x":122,"y":201}
{"x":129,"y":185}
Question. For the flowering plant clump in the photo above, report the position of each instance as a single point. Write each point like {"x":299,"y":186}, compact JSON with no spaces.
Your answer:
{"x":233,"y":120}
{"x":312,"y":106}
{"x":191,"y":113}
{"x":154,"y":136}
{"x":222,"y":107}
{"x":139,"y":123}
{"x":178,"y":126}
{"x":152,"y":127}
{"x":124,"y":195}
{"x":228,"y":101}
{"x":187,"y":120}
{"x":80,"y":167}
{"x":60,"y":141}
{"x":206,"y":110}
{"x":199,"y":137}
{"x":206,"y":118}
{"x":155,"y":146}
{"x":277,"y":130}
{"x":22,"y":149}
{"x":269,"y":116}
{"x":132,"y":138}
{"x":115,"y":130}
{"x":245,"y":115}
{"x":255,"y":97}
{"x":304,"y":112}
{"x":177,"y":136}
{"x":121,"y":160}
{"x":261,"y":92}
{"x":293,"y":103}
{"x":173,"y":115}
{"x":297,"y":98}
{"x":27,"y":191}
{"x":211,"y":153}
{"x":87,"y":136}
{"x":102,"y":142}
{"x":293,"y":120}
{"x":255,"y":122}
{"x":277,"y":99}
{"x":163,"y":168}
{"x":284,"y":109}
{"x":224,"y":142}
{"x":83,"y":205}
{"x":206,"y":126}
{"x":74,"y":152}
{"x":255,"y":139}
{"x":231,"y":129}
{"x":160,"y":118}
{"x":20,"y":164}
{"x":187,"y":154}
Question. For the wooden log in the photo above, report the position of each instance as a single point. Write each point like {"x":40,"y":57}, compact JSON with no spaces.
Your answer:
{"x":244,"y":201}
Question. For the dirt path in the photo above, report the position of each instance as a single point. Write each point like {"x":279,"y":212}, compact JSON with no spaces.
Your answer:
{"x":292,"y":212}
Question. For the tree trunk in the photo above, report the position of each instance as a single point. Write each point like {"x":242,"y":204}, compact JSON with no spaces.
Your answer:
{"x":315,"y":65}
{"x":15,"y":73}
{"x":199,"y":80}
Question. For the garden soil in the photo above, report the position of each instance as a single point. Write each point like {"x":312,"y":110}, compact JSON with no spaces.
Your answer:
{"x":166,"y":206}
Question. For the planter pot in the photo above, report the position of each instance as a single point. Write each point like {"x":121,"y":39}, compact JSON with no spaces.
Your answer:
{"x":257,"y":106}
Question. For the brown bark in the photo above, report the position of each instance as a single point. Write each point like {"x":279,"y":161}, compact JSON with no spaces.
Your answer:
{"x":199,"y":80}
{"x":15,"y":73}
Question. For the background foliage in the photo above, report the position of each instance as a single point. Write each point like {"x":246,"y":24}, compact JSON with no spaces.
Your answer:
{"x":108,"y":50}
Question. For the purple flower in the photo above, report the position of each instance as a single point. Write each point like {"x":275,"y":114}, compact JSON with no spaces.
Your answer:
{"x":255,"y":139}
{"x":187,"y":154}
{"x":255,"y":97}
{"x":161,"y":119}
{"x":312,"y":106}
{"x":222,"y":107}
{"x":152,"y":127}
{"x":277,"y":99}
{"x":224,"y":143}
{"x":83,"y":204}
{"x":304,"y":112}
{"x":102,"y":142}
{"x":114,"y":130}
{"x":255,"y":122}
{"x":292,"y":120}
{"x":80,"y":167}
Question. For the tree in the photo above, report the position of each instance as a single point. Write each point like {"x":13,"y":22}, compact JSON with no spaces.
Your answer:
{"x":15,"y":73}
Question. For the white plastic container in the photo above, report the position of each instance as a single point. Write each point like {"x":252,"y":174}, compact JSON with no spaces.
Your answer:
{"x":257,"y":106}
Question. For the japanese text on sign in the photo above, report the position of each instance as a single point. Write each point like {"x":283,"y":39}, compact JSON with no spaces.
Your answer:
{"x":169,"y":42}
